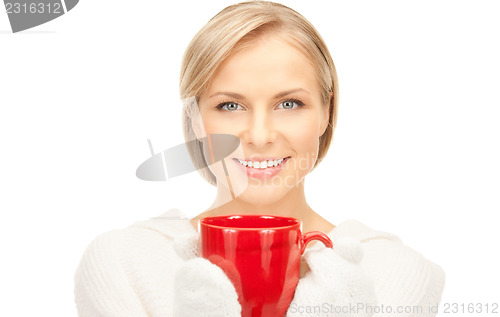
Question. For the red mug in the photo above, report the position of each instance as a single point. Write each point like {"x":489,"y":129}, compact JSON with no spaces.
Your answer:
{"x":261,"y":255}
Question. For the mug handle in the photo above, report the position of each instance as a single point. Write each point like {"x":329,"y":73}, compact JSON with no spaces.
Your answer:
{"x":314,"y":235}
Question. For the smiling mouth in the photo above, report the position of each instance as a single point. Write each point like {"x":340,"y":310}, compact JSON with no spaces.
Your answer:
{"x":261,"y":164}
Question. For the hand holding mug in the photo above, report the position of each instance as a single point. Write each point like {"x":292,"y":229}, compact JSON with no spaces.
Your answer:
{"x":203,"y":289}
{"x":335,"y":282}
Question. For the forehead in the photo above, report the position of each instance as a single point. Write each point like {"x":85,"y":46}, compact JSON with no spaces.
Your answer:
{"x":267,"y":64}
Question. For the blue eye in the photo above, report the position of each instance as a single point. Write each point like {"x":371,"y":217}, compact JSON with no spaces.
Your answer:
{"x":229,"y":106}
{"x":290,"y":104}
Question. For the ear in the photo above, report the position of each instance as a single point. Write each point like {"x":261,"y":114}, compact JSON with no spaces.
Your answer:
{"x":325,"y":119}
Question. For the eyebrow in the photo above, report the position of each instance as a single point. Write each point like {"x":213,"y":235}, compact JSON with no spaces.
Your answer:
{"x":279,"y":95}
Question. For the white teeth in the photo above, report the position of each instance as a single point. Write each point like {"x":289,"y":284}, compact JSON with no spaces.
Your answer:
{"x":263,"y":164}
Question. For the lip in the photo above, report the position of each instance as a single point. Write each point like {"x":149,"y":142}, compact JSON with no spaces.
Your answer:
{"x":260,"y":159}
{"x":262,"y":173}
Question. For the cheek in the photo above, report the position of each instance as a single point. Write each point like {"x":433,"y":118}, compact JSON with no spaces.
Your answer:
{"x":300,"y":132}
{"x":303,"y":133}
{"x":215,"y":123}
{"x":306,"y":147}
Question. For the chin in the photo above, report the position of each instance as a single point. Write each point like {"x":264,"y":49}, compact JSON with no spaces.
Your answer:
{"x":260,"y":191}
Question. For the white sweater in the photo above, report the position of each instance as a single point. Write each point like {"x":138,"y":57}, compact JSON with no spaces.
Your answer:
{"x":130,"y":272}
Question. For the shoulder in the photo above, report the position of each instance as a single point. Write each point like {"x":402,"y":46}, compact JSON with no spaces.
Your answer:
{"x":120,"y":269}
{"x":400,"y":273}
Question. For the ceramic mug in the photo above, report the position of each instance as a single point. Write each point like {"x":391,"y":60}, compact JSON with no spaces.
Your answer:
{"x":261,"y":255}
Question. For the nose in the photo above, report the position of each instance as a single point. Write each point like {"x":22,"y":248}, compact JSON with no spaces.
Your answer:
{"x":259,"y":129}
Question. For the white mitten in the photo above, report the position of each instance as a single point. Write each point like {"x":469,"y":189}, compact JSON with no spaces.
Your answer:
{"x":336,"y":285}
{"x":202,"y":288}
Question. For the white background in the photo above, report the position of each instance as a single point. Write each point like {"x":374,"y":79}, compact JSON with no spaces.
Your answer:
{"x":415,"y":153}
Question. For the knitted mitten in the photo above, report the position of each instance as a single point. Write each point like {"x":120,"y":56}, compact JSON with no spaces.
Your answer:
{"x":202,"y":288}
{"x":336,"y":285}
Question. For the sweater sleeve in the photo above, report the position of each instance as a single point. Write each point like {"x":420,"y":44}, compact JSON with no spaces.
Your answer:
{"x":406,"y":283}
{"x":131,"y":271}
{"x":101,"y":284}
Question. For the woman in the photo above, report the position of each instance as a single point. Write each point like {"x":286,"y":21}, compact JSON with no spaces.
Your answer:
{"x":261,"y":72}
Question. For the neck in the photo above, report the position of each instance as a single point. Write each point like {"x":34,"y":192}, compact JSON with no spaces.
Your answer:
{"x":292,"y":204}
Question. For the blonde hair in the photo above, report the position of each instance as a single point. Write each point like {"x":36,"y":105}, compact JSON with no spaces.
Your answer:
{"x":233,"y":29}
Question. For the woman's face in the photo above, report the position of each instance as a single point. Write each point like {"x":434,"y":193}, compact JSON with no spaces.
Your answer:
{"x":268,"y":95}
